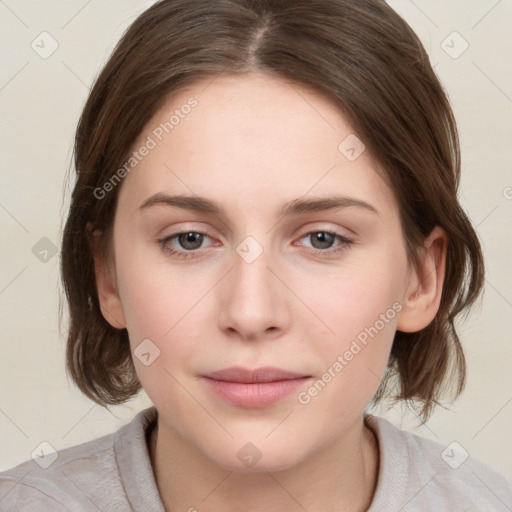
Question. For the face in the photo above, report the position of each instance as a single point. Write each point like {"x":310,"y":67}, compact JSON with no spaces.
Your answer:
{"x":288,"y":255}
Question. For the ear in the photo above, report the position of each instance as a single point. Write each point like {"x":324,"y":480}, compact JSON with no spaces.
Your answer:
{"x":423,"y":296}
{"x":108,"y":296}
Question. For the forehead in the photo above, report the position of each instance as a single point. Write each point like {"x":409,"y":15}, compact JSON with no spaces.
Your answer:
{"x":252,"y":138}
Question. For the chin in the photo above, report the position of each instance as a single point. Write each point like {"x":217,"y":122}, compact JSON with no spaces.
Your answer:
{"x":249,"y":457}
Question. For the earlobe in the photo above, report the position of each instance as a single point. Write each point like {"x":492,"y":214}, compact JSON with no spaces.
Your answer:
{"x":108,"y":296}
{"x":423,"y":297}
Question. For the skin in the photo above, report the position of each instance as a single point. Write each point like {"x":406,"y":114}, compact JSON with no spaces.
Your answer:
{"x":252,"y":144}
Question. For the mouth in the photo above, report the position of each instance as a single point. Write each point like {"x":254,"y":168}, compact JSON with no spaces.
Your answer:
{"x":264,"y":374}
{"x":253,"y":388}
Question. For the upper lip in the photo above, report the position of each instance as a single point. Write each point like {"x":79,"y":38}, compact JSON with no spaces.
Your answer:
{"x":246,"y":375}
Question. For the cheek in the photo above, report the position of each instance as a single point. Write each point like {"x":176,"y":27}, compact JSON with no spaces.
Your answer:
{"x":164,"y":307}
{"x":355,"y":295}
{"x":358,"y":307}
{"x":167,"y":311}
{"x":168,"y":305}
{"x":157,"y":297}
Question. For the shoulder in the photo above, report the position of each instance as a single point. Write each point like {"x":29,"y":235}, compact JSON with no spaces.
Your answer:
{"x":61,"y":480}
{"x":80,"y":478}
{"x":417,"y":473}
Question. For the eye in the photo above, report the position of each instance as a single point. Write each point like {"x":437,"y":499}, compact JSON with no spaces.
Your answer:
{"x":186,"y":243}
{"x":322,"y":242}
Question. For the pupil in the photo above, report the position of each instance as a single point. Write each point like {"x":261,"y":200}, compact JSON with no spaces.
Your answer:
{"x":195,"y":239}
{"x":325,"y":240}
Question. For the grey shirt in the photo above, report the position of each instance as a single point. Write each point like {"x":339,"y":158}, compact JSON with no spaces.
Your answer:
{"x":114,"y":473}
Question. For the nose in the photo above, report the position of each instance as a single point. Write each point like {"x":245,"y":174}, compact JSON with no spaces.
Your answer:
{"x":253,"y":303}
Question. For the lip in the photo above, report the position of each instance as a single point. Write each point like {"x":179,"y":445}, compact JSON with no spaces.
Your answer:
{"x":257,"y":375}
{"x":253,"y":388}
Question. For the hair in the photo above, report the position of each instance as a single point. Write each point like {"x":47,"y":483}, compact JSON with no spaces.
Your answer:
{"x":361,"y":55}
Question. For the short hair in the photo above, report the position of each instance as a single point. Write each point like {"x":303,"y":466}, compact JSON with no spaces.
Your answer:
{"x":361,"y":55}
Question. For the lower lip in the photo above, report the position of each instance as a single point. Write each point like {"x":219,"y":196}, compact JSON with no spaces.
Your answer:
{"x":257,"y":395}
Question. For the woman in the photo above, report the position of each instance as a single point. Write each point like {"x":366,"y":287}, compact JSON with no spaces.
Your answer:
{"x":265,"y":236}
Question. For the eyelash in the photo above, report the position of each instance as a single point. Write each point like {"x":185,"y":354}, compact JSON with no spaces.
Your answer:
{"x":344,"y":244}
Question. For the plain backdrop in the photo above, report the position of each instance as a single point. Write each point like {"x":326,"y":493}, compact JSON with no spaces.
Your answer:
{"x":41,"y":97}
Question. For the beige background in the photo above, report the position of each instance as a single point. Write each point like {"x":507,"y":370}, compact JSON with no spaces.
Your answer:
{"x":40,"y":101}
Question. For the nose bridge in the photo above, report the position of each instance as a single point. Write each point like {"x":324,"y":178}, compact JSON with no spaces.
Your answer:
{"x":252,"y":303}
{"x":252,"y":277}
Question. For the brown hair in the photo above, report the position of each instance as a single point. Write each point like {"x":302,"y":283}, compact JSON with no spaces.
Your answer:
{"x":361,"y":55}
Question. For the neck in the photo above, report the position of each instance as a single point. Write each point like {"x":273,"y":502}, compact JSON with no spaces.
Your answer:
{"x":341,"y":478}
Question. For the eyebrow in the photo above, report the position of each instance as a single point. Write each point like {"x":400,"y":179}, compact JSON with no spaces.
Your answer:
{"x":295,"y":207}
